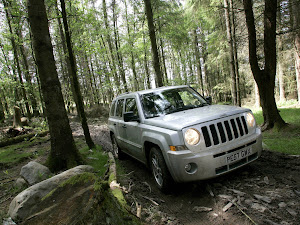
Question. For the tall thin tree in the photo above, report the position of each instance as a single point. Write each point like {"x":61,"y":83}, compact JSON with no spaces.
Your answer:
{"x":74,"y":79}
{"x":156,"y":63}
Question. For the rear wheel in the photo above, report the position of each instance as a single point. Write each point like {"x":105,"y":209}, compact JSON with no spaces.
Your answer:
{"x":117,"y":152}
{"x":159,"y":170}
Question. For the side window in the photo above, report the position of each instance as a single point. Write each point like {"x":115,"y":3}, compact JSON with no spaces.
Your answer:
{"x":119,"y":110}
{"x":112,"y":109}
{"x":130,"y":106}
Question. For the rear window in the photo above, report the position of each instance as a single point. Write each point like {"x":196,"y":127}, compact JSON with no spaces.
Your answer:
{"x":119,"y":109}
{"x":112,"y":109}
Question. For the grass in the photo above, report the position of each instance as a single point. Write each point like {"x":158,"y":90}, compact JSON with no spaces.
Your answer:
{"x":95,"y":158}
{"x":286,"y":140}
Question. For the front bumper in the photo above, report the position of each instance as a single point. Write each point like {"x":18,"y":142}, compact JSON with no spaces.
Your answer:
{"x":211,"y":163}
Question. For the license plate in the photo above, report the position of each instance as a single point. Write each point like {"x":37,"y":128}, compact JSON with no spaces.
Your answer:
{"x":238,"y":155}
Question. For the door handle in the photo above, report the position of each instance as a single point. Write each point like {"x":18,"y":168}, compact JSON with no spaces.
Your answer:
{"x":124,"y":126}
{"x":115,"y":124}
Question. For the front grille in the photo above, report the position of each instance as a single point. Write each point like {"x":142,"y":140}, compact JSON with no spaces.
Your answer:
{"x":224,"y":131}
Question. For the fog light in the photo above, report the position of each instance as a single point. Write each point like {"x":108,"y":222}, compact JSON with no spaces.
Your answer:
{"x":188,"y":167}
{"x":191,"y":168}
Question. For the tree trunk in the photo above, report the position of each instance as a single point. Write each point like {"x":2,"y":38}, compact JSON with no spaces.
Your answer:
{"x":156,"y":63}
{"x":231,"y":53}
{"x":28,"y":77}
{"x":236,"y":64}
{"x":66,"y":57}
{"x":265,"y":78}
{"x":16,"y":57}
{"x":112,"y":57}
{"x":119,"y":55}
{"x":198,"y":62}
{"x":280,"y":57}
{"x":296,"y":24}
{"x":146,"y":64}
{"x":74,"y":79}
{"x":63,"y":152}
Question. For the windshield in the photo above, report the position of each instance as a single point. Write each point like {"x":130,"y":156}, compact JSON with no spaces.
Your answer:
{"x":170,"y":101}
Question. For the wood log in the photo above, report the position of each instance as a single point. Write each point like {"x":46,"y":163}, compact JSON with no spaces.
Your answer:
{"x":14,"y":140}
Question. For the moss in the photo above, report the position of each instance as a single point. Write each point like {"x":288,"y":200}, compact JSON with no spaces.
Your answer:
{"x":80,"y":178}
{"x":112,"y":177}
{"x":118,"y":194}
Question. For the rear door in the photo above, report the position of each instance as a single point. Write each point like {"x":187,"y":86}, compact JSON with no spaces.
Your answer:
{"x":119,"y":123}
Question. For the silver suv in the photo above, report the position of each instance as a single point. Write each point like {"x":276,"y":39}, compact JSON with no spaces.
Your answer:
{"x":180,"y":136}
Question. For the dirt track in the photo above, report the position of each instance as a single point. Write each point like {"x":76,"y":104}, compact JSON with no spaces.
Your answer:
{"x":264,"y":192}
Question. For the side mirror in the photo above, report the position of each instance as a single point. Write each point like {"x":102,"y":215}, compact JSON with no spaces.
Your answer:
{"x":208,"y":99}
{"x":130,"y":116}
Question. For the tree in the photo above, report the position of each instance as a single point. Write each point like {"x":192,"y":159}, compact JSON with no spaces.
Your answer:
{"x":265,"y":78}
{"x":156,"y":63}
{"x":74,"y":79}
{"x":64,"y":153}
{"x":296,"y":24}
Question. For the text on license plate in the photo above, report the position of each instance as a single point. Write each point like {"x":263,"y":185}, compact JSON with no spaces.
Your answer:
{"x":238,"y":155}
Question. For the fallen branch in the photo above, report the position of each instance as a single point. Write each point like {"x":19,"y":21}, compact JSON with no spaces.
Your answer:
{"x":150,"y":190}
{"x":239,"y":208}
{"x":151,"y":200}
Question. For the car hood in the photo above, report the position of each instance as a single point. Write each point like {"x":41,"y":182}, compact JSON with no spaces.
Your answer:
{"x":180,"y":120}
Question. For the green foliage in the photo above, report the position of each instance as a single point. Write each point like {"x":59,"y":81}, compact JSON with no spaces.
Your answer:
{"x":286,"y":140}
{"x":96,"y":158}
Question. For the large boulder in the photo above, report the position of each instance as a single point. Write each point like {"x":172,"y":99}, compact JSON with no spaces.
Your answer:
{"x":34,"y":173}
{"x":27,"y":202}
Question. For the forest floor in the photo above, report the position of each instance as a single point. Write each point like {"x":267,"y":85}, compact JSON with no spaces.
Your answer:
{"x":264,"y":192}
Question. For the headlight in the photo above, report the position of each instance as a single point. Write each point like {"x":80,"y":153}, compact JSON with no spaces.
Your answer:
{"x":192,"y":136}
{"x":250,"y":120}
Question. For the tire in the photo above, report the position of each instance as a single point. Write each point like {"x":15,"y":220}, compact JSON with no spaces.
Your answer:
{"x":116,"y":150}
{"x":159,"y":169}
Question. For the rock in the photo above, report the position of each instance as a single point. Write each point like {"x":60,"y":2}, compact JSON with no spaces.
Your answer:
{"x":258,"y":207}
{"x":34,"y":172}
{"x":282,"y":205}
{"x":202,"y":209}
{"x":291,"y":211}
{"x":21,"y":183}
{"x":240,"y":193}
{"x":248,"y":201}
{"x":8,"y":221}
{"x":270,"y":222}
{"x":263,"y":198}
{"x":25,"y":203}
{"x":266,"y":180}
{"x":227,"y":197}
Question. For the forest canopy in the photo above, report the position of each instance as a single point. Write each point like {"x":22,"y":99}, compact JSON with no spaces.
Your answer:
{"x":201,"y":43}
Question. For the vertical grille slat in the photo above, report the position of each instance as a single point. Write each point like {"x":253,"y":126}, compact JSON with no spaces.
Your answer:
{"x":221,"y":132}
{"x":245,"y":124}
{"x":229,"y":133}
{"x":206,"y":136}
{"x":224,"y":131}
{"x":236,"y":135}
{"x":214,"y":134}
{"x":240,"y":126}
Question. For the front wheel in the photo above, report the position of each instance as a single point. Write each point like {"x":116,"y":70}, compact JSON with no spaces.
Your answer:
{"x":159,"y":170}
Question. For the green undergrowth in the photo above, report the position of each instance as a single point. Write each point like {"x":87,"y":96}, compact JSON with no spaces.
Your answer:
{"x":96,"y":158}
{"x":286,"y":140}
{"x":16,"y":153}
